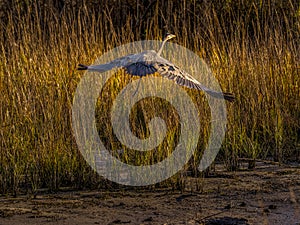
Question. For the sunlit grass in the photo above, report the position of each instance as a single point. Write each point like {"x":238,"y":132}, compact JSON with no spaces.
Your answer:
{"x":38,"y":78}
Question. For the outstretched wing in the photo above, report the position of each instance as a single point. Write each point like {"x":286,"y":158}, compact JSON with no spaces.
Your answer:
{"x":139,"y":69}
{"x":148,"y":63}
{"x":134,"y":64}
{"x":116,"y":63}
{"x":172,"y":72}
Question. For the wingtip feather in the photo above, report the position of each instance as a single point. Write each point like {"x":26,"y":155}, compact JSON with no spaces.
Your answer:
{"x":229,"y":97}
{"x":82,"y":67}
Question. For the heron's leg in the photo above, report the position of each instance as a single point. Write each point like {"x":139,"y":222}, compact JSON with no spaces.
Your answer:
{"x":137,"y":86}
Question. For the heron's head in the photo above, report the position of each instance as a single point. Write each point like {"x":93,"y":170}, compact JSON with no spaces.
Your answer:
{"x":169,"y":36}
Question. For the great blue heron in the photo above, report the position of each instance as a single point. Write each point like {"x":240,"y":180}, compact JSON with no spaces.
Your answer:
{"x":149,"y":62}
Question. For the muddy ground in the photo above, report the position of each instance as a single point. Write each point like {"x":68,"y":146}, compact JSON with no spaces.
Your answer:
{"x":270,"y":194}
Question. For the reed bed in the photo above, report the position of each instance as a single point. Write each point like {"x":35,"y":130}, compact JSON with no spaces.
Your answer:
{"x":251,"y":46}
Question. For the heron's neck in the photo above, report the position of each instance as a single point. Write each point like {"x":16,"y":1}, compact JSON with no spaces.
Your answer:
{"x":161,"y":47}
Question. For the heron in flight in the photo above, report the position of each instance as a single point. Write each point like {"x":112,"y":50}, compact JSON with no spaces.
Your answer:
{"x":150,"y":62}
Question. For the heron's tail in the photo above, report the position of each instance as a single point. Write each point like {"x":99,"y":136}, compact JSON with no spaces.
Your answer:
{"x":82,"y":67}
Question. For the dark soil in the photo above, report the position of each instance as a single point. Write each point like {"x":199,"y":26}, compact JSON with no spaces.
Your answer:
{"x":269,"y":194}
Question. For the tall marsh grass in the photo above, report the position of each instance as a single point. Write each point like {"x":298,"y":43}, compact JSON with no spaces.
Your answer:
{"x":252,"y":47}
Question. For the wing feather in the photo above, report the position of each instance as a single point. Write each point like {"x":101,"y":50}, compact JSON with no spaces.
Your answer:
{"x":172,"y":72}
{"x":134,"y":64}
{"x":116,"y":63}
{"x":149,"y":62}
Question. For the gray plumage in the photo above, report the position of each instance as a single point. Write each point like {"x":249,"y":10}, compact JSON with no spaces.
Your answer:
{"x":150,"y":62}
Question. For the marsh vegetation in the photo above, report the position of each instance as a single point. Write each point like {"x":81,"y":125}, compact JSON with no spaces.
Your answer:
{"x":251,"y":46}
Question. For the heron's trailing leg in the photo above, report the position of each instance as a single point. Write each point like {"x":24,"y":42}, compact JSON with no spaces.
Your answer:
{"x":138,"y":85}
